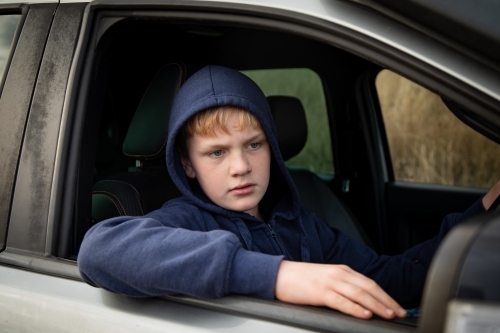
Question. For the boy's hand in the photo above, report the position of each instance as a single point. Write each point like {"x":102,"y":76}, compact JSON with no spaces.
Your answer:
{"x":491,"y":196}
{"x":336,"y":286}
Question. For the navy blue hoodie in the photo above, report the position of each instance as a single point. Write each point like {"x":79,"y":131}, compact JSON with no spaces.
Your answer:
{"x":192,"y":246}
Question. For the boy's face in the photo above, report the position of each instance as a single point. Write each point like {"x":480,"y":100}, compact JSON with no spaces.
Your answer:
{"x":232,"y":169}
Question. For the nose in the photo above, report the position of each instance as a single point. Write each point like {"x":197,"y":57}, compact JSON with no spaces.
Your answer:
{"x":240,"y":164}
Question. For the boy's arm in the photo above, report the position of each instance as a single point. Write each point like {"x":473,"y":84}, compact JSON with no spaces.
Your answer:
{"x":491,"y":196}
{"x":141,"y":256}
{"x":342,"y":288}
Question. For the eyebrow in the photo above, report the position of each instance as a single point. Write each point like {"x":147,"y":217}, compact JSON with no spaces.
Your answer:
{"x":259,"y":136}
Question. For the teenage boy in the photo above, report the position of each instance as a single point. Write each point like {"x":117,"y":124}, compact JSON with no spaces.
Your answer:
{"x":239,"y":226}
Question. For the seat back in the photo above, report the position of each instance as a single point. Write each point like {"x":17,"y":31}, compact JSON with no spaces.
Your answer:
{"x":315,"y":195}
{"x":146,"y":186}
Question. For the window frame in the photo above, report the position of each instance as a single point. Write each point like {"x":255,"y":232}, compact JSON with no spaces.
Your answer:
{"x":22,"y":11}
{"x":17,"y":87}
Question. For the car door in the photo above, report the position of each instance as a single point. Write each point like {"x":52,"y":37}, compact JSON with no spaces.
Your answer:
{"x":49,"y":190}
{"x":435,"y":164}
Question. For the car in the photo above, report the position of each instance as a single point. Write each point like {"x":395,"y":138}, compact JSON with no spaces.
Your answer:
{"x":78,"y":102}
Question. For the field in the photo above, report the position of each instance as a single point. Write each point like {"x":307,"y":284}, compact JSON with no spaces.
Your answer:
{"x":428,"y":143}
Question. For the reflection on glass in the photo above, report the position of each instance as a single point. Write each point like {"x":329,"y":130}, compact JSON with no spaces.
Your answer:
{"x":8,"y":24}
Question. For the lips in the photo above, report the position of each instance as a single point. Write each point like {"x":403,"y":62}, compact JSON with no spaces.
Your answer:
{"x":243,"y":189}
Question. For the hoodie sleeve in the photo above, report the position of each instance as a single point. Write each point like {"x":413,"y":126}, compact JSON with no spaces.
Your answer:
{"x":401,"y":276}
{"x":148,"y":256}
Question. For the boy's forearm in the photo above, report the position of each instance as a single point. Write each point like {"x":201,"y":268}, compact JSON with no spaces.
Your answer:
{"x":254,"y":273}
{"x":491,"y":196}
{"x":142,"y":257}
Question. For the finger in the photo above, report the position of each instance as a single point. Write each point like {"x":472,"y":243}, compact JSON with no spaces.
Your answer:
{"x":364,"y":299}
{"x":338,"y":302}
{"x":373,"y":289}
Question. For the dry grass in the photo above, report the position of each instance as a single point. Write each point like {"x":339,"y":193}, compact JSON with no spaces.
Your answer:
{"x":428,"y":143}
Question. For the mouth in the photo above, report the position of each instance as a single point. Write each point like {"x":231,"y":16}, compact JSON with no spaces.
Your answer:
{"x":243,"y":189}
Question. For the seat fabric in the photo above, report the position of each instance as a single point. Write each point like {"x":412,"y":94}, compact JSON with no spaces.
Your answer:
{"x":147,"y":186}
{"x":315,"y":195}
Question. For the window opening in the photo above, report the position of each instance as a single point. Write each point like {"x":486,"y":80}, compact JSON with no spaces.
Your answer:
{"x":428,"y":144}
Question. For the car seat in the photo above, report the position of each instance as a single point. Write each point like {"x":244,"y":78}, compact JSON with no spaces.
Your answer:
{"x":291,"y":127}
{"x":146,"y":186}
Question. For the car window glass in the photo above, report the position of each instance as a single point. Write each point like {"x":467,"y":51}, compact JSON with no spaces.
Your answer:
{"x":8,"y":25}
{"x":427,"y":143}
{"x":305,"y":85}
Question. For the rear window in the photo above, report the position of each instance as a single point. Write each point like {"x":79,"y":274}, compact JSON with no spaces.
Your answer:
{"x":8,"y":25}
{"x":306,"y":85}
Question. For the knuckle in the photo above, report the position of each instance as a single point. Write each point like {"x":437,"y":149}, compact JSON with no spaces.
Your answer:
{"x":344,"y":267}
{"x":372,"y":285}
{"x":357,"y":293}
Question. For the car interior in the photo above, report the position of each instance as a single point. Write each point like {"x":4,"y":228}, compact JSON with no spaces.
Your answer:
{"x":145,"y":63}
{"x":139,"y":66}
{"x":147,"y":185}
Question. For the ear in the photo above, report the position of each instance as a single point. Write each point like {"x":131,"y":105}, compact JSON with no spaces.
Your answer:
{"x":188,"y":167}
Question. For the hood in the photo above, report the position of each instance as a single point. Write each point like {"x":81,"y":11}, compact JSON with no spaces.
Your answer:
{"x":219,"y":86}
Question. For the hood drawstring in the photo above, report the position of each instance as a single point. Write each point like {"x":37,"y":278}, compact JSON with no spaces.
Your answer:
{"x":245,"y":233}
{"x":304,"y":246}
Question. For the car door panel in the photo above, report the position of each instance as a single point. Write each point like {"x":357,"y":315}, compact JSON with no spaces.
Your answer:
{"x":415,"y":211}
{"x":31,"y":203}
{"x":16,"y":98}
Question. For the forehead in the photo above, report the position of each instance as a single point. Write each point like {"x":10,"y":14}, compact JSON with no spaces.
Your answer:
{"x":232,"y":135}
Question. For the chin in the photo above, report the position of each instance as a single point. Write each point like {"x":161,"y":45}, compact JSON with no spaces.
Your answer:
{"x":244,"y":208}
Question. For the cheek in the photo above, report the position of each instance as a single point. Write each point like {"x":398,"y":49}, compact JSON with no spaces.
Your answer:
{"x":263,"y":164}
{"x":210,"y":176}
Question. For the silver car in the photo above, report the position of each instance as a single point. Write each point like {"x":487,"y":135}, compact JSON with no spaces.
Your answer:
{"x":383,"y":156}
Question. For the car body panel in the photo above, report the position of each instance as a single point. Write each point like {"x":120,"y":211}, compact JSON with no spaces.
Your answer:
{"x":16,"y":99}
{"x":35,"y":175}
{"x":463,"y":23}
{"x":41,"y":291}
{"x":392,"y":34}
{"x":54,"y":304}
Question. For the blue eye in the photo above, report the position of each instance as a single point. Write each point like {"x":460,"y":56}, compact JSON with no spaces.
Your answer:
{"x":254,"y":145}
{"x":217,"y":153}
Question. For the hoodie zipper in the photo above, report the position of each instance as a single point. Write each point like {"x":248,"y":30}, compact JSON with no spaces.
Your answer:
{"x":273,"y":235}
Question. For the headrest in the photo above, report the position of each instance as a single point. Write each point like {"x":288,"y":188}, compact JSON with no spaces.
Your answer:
{"x":291,"y":125}
{"x":147,"y":134}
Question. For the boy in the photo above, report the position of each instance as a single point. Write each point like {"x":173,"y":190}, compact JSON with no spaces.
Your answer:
{"x":239,"y":227}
